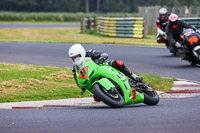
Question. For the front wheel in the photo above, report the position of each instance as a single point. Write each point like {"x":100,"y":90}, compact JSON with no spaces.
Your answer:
{"x":111,"y":97}
{"x":151,"y":97}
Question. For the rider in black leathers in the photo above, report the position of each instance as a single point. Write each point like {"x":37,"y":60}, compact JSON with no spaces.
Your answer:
{"x":174,"y":30}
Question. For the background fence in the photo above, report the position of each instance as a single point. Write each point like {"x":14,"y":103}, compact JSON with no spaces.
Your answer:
{"x":195,"y":21}
{"x":121,"y":27}
{"x":136,"y":27}
{"x":150,"y":13}
{"x":88,"y":24}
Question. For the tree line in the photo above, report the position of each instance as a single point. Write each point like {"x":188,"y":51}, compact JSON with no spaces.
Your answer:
{"x":87,"y":5}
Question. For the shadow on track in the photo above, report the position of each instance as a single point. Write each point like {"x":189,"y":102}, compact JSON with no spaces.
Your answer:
{"x":107,"y":107}
{"x":186,"y":66}
{"x":168,"y":56}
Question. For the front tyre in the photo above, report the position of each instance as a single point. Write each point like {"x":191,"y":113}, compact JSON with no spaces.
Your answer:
{"x":151,"y":97}
{"x":111,"y":97}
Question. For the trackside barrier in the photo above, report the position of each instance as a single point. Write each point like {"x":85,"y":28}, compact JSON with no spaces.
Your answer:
{"x":87,"y":24}
{"x":121,"y":27}
{"x":195,"y":21}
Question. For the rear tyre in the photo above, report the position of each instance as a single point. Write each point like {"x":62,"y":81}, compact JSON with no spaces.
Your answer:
{"x":193,"y":61}
{"x":151,"y":97}
{"x":174,"y":53}
{"x":112,"y":97}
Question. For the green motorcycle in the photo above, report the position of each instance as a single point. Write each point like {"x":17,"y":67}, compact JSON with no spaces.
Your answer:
{"x":112,"y":86}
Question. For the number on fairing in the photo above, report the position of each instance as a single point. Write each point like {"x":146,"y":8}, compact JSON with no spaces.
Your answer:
{"x":83,"y":73}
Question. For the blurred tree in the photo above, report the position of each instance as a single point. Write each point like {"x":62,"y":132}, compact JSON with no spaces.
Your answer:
{"x":87,"y":5}
{"x":67,"y":5}
{"x":98,"y":5}
{"x":114,"y":6}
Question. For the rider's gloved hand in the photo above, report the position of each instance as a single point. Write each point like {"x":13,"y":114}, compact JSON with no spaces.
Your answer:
{"x":178,"y":45}
{"x":164,"y":34}
{"x":103,"y":57}
{"x":92,"y":51}
{"x":101,"y":60}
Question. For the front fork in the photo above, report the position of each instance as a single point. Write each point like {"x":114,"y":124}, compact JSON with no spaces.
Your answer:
{"x":135,"y":95}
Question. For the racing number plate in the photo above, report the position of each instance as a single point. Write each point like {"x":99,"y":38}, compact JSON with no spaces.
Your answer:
{"x":83,"y":73}
{"x":193,"y":40}
{"x":133,"y":94}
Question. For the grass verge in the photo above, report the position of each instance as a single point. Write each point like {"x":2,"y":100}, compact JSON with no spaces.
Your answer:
{"x":56,"y":16}
{"x":20,"y":82}
{"x":67,"y":35}
{"x":36,"y":22}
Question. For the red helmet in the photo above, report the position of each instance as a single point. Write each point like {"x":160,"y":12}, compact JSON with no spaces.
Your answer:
{"x":163,"y":14}
{"x":173,"y":20}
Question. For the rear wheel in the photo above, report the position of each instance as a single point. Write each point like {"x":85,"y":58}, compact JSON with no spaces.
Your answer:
{"x":111,"y":97}
{"x":174,"y":53}
{"x":193,"y":61}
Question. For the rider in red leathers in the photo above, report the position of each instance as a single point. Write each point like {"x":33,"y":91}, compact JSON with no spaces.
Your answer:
{"x":161,"y":23}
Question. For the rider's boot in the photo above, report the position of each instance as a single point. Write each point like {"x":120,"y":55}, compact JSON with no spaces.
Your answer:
{"x":131,"y":75}
{"x":96,"y":99}
{"x":119,"y":65}
{"x":136,"y":78}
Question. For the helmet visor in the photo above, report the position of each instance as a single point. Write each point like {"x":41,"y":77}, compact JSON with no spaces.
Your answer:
{"x":163,"y":17}
{"x":174,"y":24}
{"x":76,"y":58}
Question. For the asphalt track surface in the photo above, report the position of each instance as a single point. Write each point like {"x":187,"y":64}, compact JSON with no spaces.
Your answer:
{"x":175,"y":115}
{"x":39,"y":25}
{"x":169,"y":116}
{"x":137,"y":58}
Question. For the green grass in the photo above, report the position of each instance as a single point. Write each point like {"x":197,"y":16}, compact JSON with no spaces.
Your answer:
{"x":20,"y":82}
{"x":68,"y":35}
{"x":34,"y":22}
{"x":157,"y":82}
{"x":55,"y":16}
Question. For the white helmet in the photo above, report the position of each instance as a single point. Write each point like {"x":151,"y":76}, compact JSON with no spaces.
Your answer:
{"x":77,"y":53}
{"x":163,"y":11}
{"x":173,"y":20}
{"x":173,"y":17}
{"x":163,"y":14}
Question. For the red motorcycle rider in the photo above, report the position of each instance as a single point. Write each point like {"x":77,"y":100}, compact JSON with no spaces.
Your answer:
{"x":161,"y":24}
